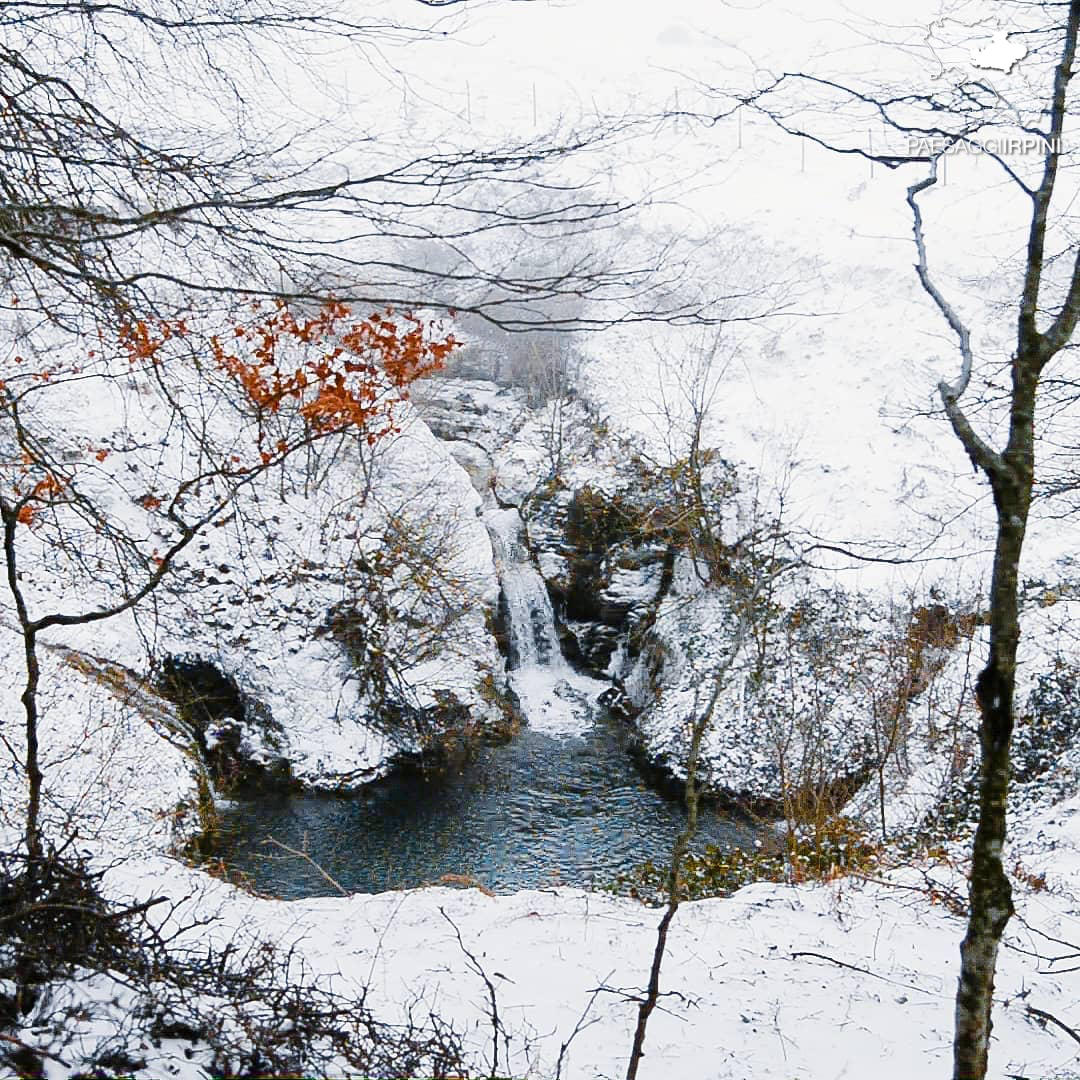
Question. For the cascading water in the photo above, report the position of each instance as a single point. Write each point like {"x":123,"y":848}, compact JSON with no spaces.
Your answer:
{"x":554,"y":698}
{"x":533,"y":638}
{"x":561,"y":802}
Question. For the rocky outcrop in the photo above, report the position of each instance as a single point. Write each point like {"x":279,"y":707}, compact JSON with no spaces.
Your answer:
{"x":235,"y":736}
{"x":604,"y":576}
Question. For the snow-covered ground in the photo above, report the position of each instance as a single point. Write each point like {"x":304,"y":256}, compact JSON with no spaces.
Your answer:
{"x":253,"y":594}
{"x":815,"y":982}
{"x":830,"y":406}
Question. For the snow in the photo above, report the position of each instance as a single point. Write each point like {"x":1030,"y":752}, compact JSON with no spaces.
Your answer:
{"x":557,"y":702}
{"x":774,"y":982}
{"x":102,"y":733}
{"x":757,"y":983}
{"x":253,"y":592}
{"x":835,"y":413}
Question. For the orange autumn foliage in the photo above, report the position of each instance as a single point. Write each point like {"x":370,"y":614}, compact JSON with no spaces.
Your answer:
{"x":361,"y":370}
{"x":334,"y":372}
{"x":47,"y":487}
{"x":143,"y":341}
{"x":42,"y":491}
{"x":344,"y":386}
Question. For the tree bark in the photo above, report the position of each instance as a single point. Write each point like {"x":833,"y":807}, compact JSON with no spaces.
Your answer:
{"x":32,"y":762}
{"x":1010,"y":471}
{"x":674,"y":886}
{"x":990,"y":893}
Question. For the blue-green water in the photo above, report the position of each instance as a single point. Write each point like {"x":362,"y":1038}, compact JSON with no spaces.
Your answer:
{"x":537,"y":811}
{"x":561,"y":803}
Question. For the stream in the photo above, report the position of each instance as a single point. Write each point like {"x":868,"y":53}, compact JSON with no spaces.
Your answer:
{"x":560,"y":803}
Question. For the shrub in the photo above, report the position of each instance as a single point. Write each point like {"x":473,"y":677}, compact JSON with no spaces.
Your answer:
{"x":1050,"y":726}
{"x":843,"y":847}
{"x":52,"y":913}
{"x":249,"y":1010}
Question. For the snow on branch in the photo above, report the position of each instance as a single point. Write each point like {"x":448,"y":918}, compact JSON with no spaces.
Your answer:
{"x":982,"y":455}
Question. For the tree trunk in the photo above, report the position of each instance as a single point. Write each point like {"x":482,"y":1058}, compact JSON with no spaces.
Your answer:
{"x":33,"y":764}
{"x":682,"y":844}
{"x":32,"y":831}
{"x":990,"y":894}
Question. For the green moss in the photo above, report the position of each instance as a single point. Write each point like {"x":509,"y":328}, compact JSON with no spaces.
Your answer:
{"x":207,"y":841}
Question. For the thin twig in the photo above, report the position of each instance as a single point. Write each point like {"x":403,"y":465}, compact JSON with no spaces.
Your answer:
{"x":497,"y":1027}
{"x":862,"y":971}
{"x":580,"y":1026}
{"x":1050,"y":1018}
{"x":310,"y":861}
{"x":33,"y":1049}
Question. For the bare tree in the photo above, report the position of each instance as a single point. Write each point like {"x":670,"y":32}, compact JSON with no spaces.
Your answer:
{"x":700,"y":479}
{"x":701,"y":491}
{"x":933,"y":122}
{"x":139,"y":170}
{"x":145,"y":203}
{"x":697,"y":725}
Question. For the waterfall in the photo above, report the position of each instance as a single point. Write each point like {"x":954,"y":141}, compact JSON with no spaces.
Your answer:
{"x":556,"y":700}
{"x":533,"y":638}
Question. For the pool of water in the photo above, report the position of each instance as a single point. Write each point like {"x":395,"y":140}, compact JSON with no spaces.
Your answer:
{"x":545,"y":808}
{"x":561,"y":803}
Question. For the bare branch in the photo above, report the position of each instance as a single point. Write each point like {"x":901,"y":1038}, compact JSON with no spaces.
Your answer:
{"x":1049,"y":1018}
{"x":297,"y":853}
{"x":982,"y":455}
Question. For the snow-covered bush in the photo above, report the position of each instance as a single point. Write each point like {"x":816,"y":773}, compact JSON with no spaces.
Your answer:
{"x":840,"y":847}
{"x":96,"y":989}
{"x":1049,"y":727}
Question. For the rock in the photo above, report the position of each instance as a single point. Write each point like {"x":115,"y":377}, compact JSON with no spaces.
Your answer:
{"x":617,"y":702}
{"x":236,"y":737}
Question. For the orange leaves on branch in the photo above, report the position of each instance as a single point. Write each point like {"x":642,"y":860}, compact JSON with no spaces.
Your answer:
{"x":43,"y":491}
{"x":331,"y":371}
{"x":46,"y":488}
{"x":143,"y":341}
{"x":362,"y":368}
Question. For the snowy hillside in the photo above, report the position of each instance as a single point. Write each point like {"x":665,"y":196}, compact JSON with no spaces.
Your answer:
{"x":255,"y":595}
{"x":760,"y":515}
